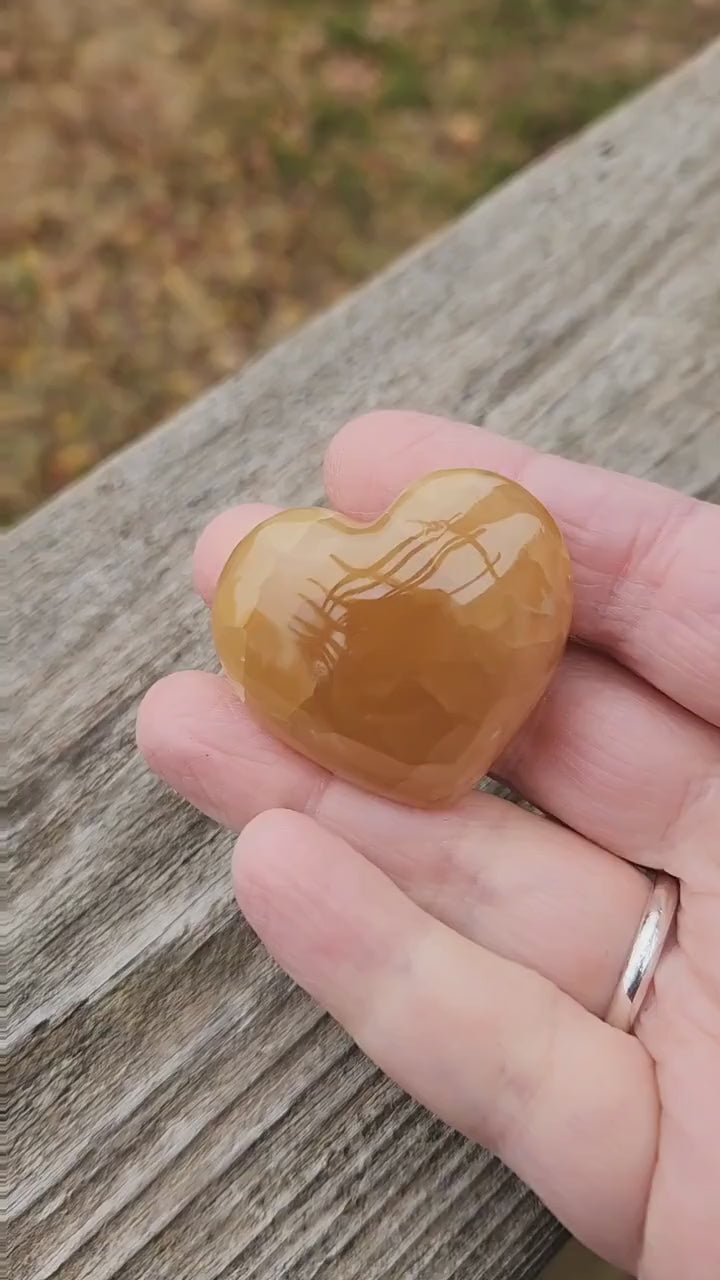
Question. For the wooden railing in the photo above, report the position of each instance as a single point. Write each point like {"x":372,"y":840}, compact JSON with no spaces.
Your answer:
{"x":180,"y":1111}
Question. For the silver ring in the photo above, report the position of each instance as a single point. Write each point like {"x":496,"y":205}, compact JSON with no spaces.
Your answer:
{"x":645,"y":952}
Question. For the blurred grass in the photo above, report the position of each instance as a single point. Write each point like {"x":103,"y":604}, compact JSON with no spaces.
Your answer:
{"x":186,"y":181}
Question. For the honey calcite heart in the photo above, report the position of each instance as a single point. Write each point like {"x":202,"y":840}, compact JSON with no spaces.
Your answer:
{"x":405,"y":654}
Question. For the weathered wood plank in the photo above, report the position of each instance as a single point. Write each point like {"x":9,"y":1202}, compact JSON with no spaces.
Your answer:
{"x":178,"y":1109}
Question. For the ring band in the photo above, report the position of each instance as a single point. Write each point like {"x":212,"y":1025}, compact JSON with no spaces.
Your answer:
{"x":645,"y":952}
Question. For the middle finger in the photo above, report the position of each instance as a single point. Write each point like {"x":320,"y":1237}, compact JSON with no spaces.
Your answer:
{"x":522,"y":886}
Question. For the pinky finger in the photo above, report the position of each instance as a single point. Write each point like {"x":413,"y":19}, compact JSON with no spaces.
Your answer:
{"x":493,"y":1048}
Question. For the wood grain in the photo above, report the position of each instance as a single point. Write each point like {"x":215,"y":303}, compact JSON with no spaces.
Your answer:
{"x":177,"y":1109}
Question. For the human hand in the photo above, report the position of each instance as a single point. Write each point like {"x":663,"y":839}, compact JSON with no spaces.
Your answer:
{"x":473,"y":953}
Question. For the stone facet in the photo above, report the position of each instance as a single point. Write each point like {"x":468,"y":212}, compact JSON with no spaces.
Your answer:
{"x":405,"y":654}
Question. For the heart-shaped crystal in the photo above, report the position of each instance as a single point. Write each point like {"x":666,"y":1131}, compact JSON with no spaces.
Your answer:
{"x":402,"y":655}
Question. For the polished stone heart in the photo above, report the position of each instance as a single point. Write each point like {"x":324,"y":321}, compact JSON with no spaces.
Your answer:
{"x":405,"y":654}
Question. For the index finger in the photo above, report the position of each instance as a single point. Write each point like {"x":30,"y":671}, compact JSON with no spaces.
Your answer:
{"x":646,"y":560}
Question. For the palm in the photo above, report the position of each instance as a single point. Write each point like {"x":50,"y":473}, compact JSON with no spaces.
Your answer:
{"x":473,"y":953}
